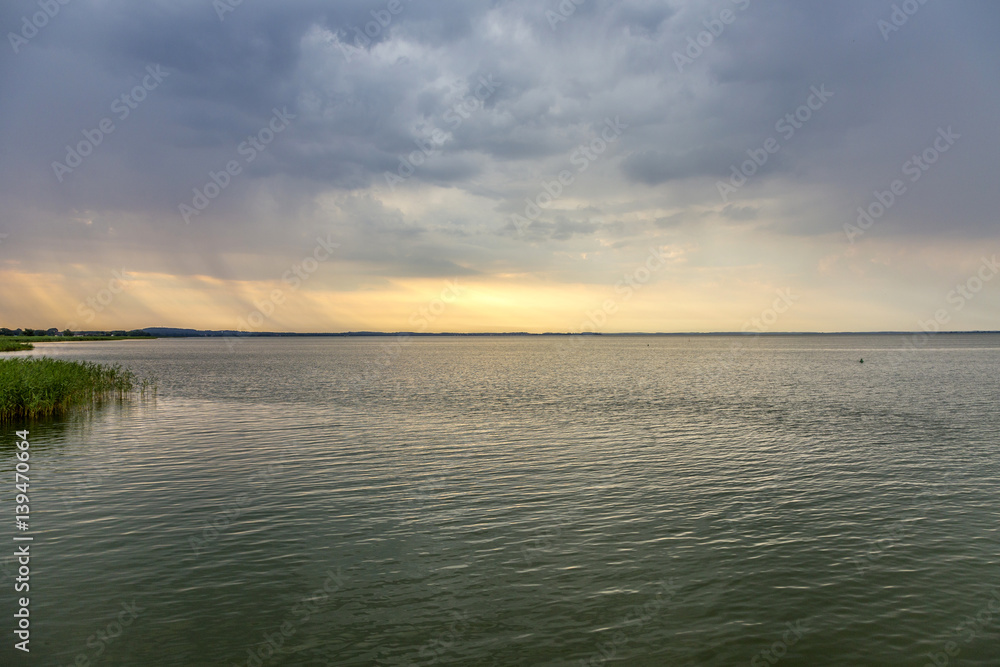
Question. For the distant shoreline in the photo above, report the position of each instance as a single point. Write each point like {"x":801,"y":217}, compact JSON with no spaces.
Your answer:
{"x":26,"y":343}
{"x":191,"y":333}
{"x":154,"y":333}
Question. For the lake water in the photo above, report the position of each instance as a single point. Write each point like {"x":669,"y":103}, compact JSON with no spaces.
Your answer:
{"x":522,"y":501}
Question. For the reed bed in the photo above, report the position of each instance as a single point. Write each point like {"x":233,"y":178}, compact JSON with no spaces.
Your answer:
{"x":8,"y":345}
{"x":40,"y":387}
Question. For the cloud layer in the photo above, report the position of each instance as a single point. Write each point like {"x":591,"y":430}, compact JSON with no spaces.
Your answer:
{"x":476,"y":140}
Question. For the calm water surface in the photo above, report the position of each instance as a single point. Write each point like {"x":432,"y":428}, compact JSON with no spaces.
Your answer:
{"x":512,"y":501}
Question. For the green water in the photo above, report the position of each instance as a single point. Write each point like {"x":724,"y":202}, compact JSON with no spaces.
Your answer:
{"x":512,"y":501}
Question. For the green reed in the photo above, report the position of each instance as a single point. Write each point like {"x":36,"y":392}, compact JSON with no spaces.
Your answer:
{"x":31,"y":388}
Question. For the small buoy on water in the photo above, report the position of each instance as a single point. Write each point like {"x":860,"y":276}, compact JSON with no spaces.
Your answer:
{"x":862,"y":361}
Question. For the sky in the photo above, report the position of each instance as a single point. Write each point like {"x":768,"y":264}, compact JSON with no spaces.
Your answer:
{"x":489,"y":166}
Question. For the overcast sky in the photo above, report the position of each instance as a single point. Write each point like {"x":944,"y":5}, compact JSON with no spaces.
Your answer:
{"x":499,"y":166}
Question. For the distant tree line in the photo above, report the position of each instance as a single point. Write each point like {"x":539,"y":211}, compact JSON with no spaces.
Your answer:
{"x":4,"y":331}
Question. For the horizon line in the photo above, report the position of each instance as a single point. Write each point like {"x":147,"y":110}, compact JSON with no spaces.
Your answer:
{"x":233,"y":332}
{"x":185,"y":332}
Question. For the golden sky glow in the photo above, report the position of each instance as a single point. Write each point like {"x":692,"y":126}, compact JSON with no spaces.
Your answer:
{"x":836,"y":295}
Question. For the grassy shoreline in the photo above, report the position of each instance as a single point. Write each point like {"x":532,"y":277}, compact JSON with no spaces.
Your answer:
{"x":70,"y":339}
{"x":22,"y":343}
{"x":40,"y":387}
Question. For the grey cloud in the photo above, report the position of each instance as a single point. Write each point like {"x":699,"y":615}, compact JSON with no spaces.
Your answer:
{"x":356,"y":117}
